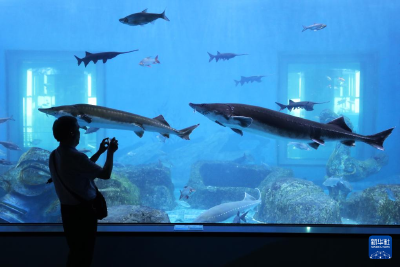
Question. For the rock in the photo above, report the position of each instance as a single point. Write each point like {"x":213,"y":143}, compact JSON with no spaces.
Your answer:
{"x":155,"y":185}
{"x":26,"y":196}
{"x":340,"y":163}
{"x":297,"y":201}
{"x":217,"y":182}
{"x":375,"y":205}
{"x":135,"y":214}
{"x":118,"y":190}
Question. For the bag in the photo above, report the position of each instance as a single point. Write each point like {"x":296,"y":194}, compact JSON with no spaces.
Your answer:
{"x":96,"y":206}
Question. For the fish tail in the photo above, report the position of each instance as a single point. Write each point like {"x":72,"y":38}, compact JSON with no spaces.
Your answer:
{"x":11,"y":118}
{"x":211,"y":57}
{"x":377,"y":140}
{"x":164,"y":17}
{"x":79,"y":60}
{"x":157,"y":60}
{"x":281,"y":106}
{"x":184,"y":133}
{"x":304,"y":28}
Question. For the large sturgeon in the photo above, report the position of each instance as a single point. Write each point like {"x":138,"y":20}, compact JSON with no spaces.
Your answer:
{"x":102,"y":117}
{"x":224,"y":211}
{"x":263,"y":121}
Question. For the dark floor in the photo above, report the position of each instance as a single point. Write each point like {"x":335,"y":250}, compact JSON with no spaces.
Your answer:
{"x":198,"y":249}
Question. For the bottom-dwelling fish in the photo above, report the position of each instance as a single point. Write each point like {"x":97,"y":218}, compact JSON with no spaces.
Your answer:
{"x":225,"y":211}
{"x":148,"y":61}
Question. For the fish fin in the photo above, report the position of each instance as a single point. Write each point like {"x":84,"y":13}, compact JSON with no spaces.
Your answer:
{"x":156,"y":59}
{"x":88,"y":53}
{"x":304,"y":28}
{"x":104,"y":60}
{"x":237,"y":131}
{"x":243,"y":121}
{"x":139,"y":133}
{"x":217,"y":122}
{"x":291,"y":101}
{"x":161,"y":119}
{"x":144,"y":11}
{"x":187,"y":197}
{"x":95,"y":61}
{"x":83,"y":127}
{"x":86,"y":62}
{"x":237,"y":82}
{"x":314,"y":145}
{"x":85,"y":118}
{"x":79,"y":60}
{"x":377,"y":140}
{"x":184,"y":133}
{"x":341,"y":123}
{"x":211,"y":57}
{"x":180,"y":197}
{"x":165,"y":135}
{"x":348,"y":142}
{"x":319,"y":141}
{"x":218,"y":53}
{"x":164,"y":17}
{"x":282,"y":106}
{"x":243,"y":216}
{"x":248,"y":197}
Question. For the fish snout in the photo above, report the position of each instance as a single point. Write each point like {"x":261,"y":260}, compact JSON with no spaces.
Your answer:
{"x":123,"y":20}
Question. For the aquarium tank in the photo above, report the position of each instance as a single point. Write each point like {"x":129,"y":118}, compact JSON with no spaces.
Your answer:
{"x":227,"y":113}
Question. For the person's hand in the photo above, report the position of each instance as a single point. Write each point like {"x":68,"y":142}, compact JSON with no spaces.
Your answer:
{"x":104,"y":145}
{"x":113,"y":146}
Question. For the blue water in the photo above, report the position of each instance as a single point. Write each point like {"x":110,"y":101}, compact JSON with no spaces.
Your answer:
{"x":362,"y":36}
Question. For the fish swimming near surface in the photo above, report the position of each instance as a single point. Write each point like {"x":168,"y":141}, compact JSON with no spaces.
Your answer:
{"x":2,"y":120}
{"x":103,"y":117}
{"x":104,"y":56}
{"x":250,"y":79}
{"x":301,"y":146}
{"x":142,"y":18}
{"x":148,"y":61}
{"x":9,"y":145}
{"x":91,"y":130}
{"x":307,"y":105}
{"x":239,"y":217}
{"x":225,"y":211}
{"x":271,"y":123}
{"x":223,"y":56}
{"x":186,"y":192}
{"x":314,"y":27}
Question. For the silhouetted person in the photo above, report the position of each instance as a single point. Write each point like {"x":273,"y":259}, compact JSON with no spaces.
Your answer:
{"x":77,"y":172}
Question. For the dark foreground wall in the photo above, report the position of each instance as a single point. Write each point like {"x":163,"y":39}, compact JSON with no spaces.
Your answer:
{"x":198,"y":249}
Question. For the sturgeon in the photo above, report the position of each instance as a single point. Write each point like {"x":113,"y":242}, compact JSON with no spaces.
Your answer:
{"x":270,"y":123}
{"x":103,"y":117}
{"x":223,"y":56}
{"x":225,"y":211}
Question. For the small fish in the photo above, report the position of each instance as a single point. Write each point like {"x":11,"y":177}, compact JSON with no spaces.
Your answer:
{"x":390,"y":194}
{"x":5,"y":162}
{"x":186,"y":192}
{"x":35,"y":142}
{"x":301,"y":146}
{"x":10,"y":146}
{"x":341,"y":79}
{"x":147,"y":61}
{"x":142,"y":18}
{"x":91,"y":130}
{"x":84,"y":150}
{"x":239,"y":217}
{"x":2,"y":120}
{"x":314,"y":27}
{"x":329,"y":78}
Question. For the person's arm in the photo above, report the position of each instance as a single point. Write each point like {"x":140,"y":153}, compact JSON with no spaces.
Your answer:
{"x":105,"y":173}
{"x":103,"y":147}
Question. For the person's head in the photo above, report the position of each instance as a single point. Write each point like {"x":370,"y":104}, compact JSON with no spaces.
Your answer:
{"x":66,"y":130}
